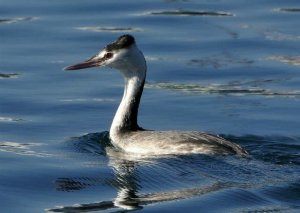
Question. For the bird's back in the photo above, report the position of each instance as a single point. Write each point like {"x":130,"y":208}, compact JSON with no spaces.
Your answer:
{"x":175,"y":142}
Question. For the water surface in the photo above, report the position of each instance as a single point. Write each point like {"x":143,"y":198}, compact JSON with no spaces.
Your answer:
{"x":226,"y":67}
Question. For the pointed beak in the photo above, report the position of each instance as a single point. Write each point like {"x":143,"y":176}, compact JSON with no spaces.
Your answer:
{"x":93,"y":62}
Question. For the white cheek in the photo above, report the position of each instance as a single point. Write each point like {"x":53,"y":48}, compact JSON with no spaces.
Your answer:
{"x":118,"y":61}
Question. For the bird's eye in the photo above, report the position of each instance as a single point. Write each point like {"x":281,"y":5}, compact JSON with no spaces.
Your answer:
{"x":109,"y":55}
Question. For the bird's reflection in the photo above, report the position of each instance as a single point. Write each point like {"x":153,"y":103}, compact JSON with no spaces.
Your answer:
{"x":191,"y":175}
{"x":127,"y":182}
{"x":127,"y":176}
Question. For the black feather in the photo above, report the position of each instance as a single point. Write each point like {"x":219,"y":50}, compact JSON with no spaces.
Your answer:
{"x":124,"y":41}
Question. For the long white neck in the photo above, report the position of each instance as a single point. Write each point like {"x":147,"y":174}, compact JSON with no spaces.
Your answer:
{"x":127,"y":113}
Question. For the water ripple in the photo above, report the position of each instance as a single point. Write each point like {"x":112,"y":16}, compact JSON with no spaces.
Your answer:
{"x":87,"y":100}
{"x":22,"y":148}
{"x":112,"y":29}
{"x":140,"y":182}
{"x":15,"y":20}
{"x":12,"y":75}
{"x":231,"y":88}
{"x":8,"y":119}
{"x":275,"y":149}
{"x":272,"y":34}
{"x":286,"y":59}
{"x":287,"y":10}
{"x":219,"y":61}
{"x":189,"y":13}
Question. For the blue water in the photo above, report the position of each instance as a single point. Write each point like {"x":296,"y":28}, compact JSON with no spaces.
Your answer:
{"x":226,"y":67}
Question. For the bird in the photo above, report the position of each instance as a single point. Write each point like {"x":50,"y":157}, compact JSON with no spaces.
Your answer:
{"x":125,"y":133}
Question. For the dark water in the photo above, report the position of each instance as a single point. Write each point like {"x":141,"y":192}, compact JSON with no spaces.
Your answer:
{"x":225,"y":67}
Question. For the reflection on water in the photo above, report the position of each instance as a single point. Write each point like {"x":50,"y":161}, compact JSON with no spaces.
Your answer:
{"x":275,"y":149}
{"x":74,"y":184}
{"x":112,"y":29}
{"x":279,"y":36}
{"x":287,"y":9}
{"x":271,"y":33}
{"x":21,"y":148}
{"x":13,"y":75}
{"x":83,"y":100}
{"x":149,"y":58}
{"x":248,"y":49}
{"x":7,"y":144}
{"x":14,"y":20}
{"x":193,"y":176}
{"x":231,"y":88}
{"x":286,"y":59}
{"x":221,"y":60}
{"x":172,"y":1}
{"x":189,"y":13}
{"x":8,"y":119}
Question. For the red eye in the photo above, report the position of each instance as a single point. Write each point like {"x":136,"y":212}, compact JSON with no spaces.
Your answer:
{"x":109,"y":55}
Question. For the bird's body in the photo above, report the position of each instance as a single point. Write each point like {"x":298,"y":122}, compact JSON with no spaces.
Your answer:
{"x":125,"y":132}
{"x":175,"y":142}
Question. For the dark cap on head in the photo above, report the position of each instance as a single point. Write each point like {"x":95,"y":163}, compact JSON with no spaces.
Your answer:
{"x":123,"y":42}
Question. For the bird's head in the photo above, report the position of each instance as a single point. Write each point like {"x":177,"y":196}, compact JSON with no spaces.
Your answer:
{"x":122,"y":54}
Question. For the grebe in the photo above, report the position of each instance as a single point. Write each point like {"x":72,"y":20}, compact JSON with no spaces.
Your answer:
{"x":125,"y":133}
